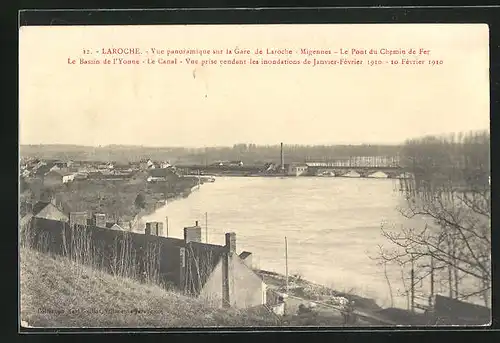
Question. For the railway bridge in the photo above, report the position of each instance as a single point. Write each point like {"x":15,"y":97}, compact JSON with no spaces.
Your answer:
{"x":363,"y":171}
{"x":309,"y":170}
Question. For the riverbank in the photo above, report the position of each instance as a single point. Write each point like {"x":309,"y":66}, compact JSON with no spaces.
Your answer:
{"x":300,"y":287}
{"x":365,"y":308}
{"x":122,"y":201}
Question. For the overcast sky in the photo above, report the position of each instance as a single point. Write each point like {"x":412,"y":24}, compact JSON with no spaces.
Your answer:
{"x":181,"y":105}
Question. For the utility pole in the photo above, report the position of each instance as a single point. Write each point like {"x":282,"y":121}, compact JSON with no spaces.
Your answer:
{"x":431,"y":298}
{"x":412,"y":285}
{"x":286,"y":265}
{"x":167,"y":225}
{"x":206,"y":227}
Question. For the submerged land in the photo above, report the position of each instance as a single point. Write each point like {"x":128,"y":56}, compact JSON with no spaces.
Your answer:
{"x":58,"y":292}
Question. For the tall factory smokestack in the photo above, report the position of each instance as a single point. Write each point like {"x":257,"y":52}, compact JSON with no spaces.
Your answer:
{"x":282,"y":159}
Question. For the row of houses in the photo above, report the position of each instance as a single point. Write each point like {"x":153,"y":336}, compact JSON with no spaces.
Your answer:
{"x":37,"y":167}
{"x":215,"y":273}
{"x":61,"y":172}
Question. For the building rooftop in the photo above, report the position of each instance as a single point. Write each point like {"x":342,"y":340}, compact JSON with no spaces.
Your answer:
{"x":245,"y":254}
{"x":39,"y":206}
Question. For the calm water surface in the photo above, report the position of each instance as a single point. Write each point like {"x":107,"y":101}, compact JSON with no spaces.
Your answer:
{"x":332,"y":226}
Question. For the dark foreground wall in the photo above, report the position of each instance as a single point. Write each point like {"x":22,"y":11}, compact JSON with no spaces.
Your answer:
{"x":144,"y":257}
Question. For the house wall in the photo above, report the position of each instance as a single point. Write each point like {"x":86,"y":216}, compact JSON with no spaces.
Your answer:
{"x":211,"y":293}
{"x":68,"y":178}
{"x":78,"y":218}
{"x":297,"y":170}
{"x":246,"y":289}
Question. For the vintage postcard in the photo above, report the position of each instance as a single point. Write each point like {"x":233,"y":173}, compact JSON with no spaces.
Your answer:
{"x":182,"y":176}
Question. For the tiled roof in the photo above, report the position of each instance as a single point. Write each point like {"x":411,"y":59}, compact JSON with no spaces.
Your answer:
{"x":42,"y":170}
{"x":39,"y":206}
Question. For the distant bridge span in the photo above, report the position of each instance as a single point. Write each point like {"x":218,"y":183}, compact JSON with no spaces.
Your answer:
{"x":392,"y":171}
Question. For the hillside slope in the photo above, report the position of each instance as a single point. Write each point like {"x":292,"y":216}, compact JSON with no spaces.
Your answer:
{"x":56,"y":292}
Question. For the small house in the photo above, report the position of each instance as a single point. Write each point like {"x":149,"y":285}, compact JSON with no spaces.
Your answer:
{"x":232,"y":282}
{"x":42,"y":168}
{"x":143,"y":164}
{"x":57,"y":177}
{"x":158,"y":175}
{"x":297,"y":169}
{"x":165,"y":164}
{"x":48,"y":210}
{"x":55,"y":168}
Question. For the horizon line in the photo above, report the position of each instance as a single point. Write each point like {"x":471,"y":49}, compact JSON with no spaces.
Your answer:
{"x":207,"y":146}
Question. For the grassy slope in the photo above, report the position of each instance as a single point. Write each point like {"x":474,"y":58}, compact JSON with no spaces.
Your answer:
{"x":56,"y":292}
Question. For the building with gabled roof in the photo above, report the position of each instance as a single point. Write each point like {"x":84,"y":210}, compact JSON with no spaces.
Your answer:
{"x":215,"y":273}
{"x":43,"y":168}
{"x":48,"y":210}
{"x":58,"y":177}
{"x":113,"y":226}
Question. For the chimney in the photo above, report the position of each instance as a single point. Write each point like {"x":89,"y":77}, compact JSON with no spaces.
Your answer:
{"x":192,"y":234}
{"x":159,"y":229}
{"x":282,"y":158}
{"x":100,"y":219}
{"x":231,"y":241}
{"x":154,"y":228}
{"x":77,"y":218}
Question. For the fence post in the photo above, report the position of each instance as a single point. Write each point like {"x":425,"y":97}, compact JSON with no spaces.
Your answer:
{"x":182,"y":269}
{"x":412,"y":285}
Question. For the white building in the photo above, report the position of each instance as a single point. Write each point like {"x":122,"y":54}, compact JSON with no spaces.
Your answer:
{"x":165,"y":164}
{"x":297,"y":169}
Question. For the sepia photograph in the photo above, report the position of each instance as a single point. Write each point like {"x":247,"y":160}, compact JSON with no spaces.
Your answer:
{"x":213,"y":176}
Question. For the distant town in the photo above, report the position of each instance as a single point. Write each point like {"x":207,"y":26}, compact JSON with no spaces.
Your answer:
{"x":63,"y":171}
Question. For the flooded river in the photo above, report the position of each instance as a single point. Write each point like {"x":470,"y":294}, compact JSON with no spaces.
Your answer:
{"x":332,"y":226}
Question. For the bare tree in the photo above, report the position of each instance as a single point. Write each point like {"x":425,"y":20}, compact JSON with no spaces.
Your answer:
{"x":448,"y":192}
